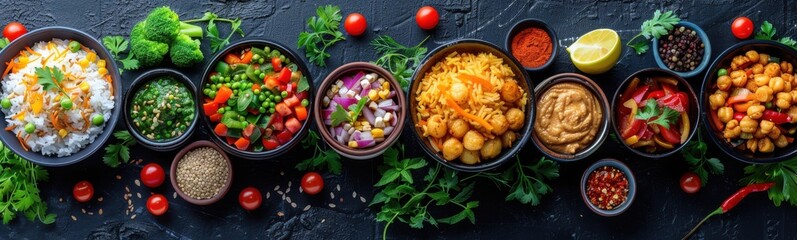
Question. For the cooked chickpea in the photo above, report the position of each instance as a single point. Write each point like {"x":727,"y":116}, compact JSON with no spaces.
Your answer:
{"x":783,"y":100}
{"x":752,"y":145}
{"x":723,"y":93}
{"x":781,"y":141}
{"x":759,"y":134}
{"x":716,"y":101}
{"x":435,"y":126}
{"x":510,"y":92}
{"x":508,"y":138}
{"x":786,"y":67}
{"x":739,"y":61}
{"x":766,"y":126}
{"x":515,"y":118}
{"x":470,"y":157}
{"x":752,"y":55}
{"x":732,"y":129}
{"x":458,"y":127}
{"x":792,"y":113}
{"x":786,"y":85}
{"x":763,"y":58}
{"x":452,"y":149}
{"x":491,"y":148}
{"x":499,"y":123}
{"x":725,"y":114}
{"x":765,"y":145}
{"x":459,"y":93}
{"x":758,"y":68}
{"x":789,"y":78}
{"x":748,"y":125}
{"x":776,"y":83}
{"x":756,"y":111}
{"x":772,"y":69}
{"x":751,"y":86}
{"x":739,"y":78}
{"x":724,"y":82}
{"x":473,"y":140}
{"x":761,"y":79}
{"x":775,"y":133}
{"x":764,"y":94}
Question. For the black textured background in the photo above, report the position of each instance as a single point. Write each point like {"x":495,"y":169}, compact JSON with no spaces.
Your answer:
{"x":660,"y":211}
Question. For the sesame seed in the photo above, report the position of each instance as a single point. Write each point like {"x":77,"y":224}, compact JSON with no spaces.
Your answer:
{"x":100,"y":212}
{"x":287,"y":190}
{"x":354,"y":194}
{"x":293,"y":205}
{"x":133,"y":217}
{"x":276,"y":187}
{"x":289,"y":184}
{"x":362,"y":199}
{"x":74,"y":218}
{"x":288,"y":199}
{"x":280,"y":214}
{"x":337,"y":187}
{"x":91,"y":213}
{"x":282,"y":173}
{"x":60,"y":199}
{"x":118,"y":177}
{"x":300,"y":190}
{"x":174,"y":195}
{"x":268,"y":195}
{"x":139,"y":195}
{"x":280,"y":192}
{"x":127,"y":189}
{"x":99,"y":199}
{"x":138,"y":183}
{"x":83,"y":210}
{"x":331,"y":195}
{"x":332,"y":205}
{"x":306,"y":207}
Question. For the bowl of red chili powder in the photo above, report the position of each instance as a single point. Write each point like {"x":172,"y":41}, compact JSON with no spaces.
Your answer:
{"x":608,"y":187}
{"x":533,"y":43}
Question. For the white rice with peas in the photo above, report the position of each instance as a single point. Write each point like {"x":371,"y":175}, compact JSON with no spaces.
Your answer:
{"x":58,"y":131}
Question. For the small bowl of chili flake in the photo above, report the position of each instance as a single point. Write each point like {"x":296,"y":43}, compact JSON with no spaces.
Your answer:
{"x":608,"y":187}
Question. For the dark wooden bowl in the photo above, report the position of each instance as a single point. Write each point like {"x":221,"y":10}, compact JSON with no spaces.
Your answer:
{"x":173,"y":173}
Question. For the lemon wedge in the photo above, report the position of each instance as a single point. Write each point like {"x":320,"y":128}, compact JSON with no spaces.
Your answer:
{"x":596,"y":52}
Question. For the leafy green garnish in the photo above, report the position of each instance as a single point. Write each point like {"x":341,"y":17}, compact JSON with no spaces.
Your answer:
{"x":528,"y":181}
{"x":664,"y":116}
{"x":340,"y":115}
{"x":118,"y":45}
{"x":118,"y":153}
{"x":695,"y":155}
{"x":401,"y":61}
{"x":767,"y":32}
{"x":650,"y":110}
{"x":50,"y":78}
{"x":303,"y":85}
{"x":658,"y":26}
{"x":216,"y":42}
{"x":19,"y":192}
{"x":4,"y":42}
{"x":783,"y":174}
{"x":323,"y":34}
{"x":321,"y":159}
{"x":667,"y":117}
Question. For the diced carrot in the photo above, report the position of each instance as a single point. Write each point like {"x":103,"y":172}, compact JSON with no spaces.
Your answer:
{"x":271,"y":82}
{"x":22,"y":142}
{"x":283,"y":109}
{"x":301,"y":112}
{"x":216,"y":117}
{"x":242,"y":143}
{"x":255,"y":86}
{"x":220,"y":130}
{"x":478,"y":80}
{"x":232,"y":59}
{"x":223,"y":94}
{"x":247,"y":58}
{"x":210,"y":108}
{"x":10,"y":127}
{"x":31,"y":51}
{"x":462,"y":112}
{"x":9,"y":66}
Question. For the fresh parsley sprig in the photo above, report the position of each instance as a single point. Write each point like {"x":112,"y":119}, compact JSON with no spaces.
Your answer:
{"x":118,"y":45}
{"x":321,"y":159}
{"x":663,"y":116}
{"x":216,"y":41}
{"x":324,"y":32}
{"x":340,"y":115}
{"x":658,"y":26}
{"x":19,"y":192}
{"x":118,"y":153}
{"x":783,"y":174}
{"x":767,"y":32}
{"x":50,"y":78}
{"x":400,"y":60}
{"x":526,"y":182}
{"x":694,"y":154}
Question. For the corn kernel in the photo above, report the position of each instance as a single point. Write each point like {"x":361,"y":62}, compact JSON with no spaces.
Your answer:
{"x":384,"y":93}
{"x":84,"y":63}
{"x":353,"y":144}
{"x":84,"y":86}
{"x":102,"y":71}
{"x":91,"y":56}
{"x":101,"y":63}
{"x":62,"y":133}
{"x":372,"y":94}
{"x":378,"y":133}
{"x":23,"y":60}
{"x":386,"y":85}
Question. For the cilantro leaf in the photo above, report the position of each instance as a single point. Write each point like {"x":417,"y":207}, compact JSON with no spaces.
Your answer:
{"x":663,"y":116}
{"x":766,"y":31}
{"x":118,"y":153}
{"x":321,"y":159}
{"x":340,"y":115}
{"x":50,"y":78}
{"x":401,"y":61}
{"x":788,"y":42}
{"x":115,"y":45}
{"x":782,"y":174}
{"x":667,"y":117}
{"x":640,"y":47}
{"x":19,"y":192}
{"x":324,"y":32}
{"x":694,"y":154}
{"x":658,"y":26}
{"x":650,"y":110}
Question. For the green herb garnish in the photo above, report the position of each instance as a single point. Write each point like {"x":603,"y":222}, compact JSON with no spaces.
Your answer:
{"x":401,"y":61}
{"x":783,"y":174}
{"x":695,"y":155}
{"x":658,"y":26}
{"x":118,"y":153}
{"x":4,"y":42}
{"x":664,"y":116}
{"x":50,"y":78}
{"x":321,"y":159}
{"x":216,"y":41}
{"x":340,"y":115}
{"x":118,"y":45}
{"x":324,"y":32}
{"x":767,"y":32}
{"x":19,"y":192}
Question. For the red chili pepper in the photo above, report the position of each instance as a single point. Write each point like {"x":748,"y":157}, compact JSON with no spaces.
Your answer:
{"x":739,"y":116}
{"x":639,"y":93}
{"x":732,"y":201}
{"x":776,"y":117}
{"x":655,"y":94}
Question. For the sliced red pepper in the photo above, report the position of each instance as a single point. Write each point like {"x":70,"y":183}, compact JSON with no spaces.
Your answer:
{"x":715,"y":121}
{"x":210,"y":108}
{"x":284,"y":136}
{"x":283,"y":109}
{"x":232,"y":59}
{"x":740,"y":99}
{"x":276,"y":63}
{"x":230,"y":140}
{"x":672,"y":101}
{"x":639,"y":94}
{"x":248,"y":130}
{"x":655,"y":94}
{"x":669,"y":89}
{"x":292,"y":101}
{"x":247,"y":58}
{"x":629,"y":130}
{"x":776,"y":117}
{"x":284,"y":76}
{"x":276,"y":122}
{"x":242,"y":143}
{"x":220,"y":130}
{"x":645,"y":132}
{"x":670,"y":135}
{"x":270,"y":144}
{"x":630,"y":89}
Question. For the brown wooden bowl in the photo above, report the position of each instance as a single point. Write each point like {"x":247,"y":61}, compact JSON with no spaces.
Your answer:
{"x":379,"y":148}
{"x":173,"y":173}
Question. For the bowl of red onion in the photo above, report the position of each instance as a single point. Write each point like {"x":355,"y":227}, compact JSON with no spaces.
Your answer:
{"x":360,"y":110}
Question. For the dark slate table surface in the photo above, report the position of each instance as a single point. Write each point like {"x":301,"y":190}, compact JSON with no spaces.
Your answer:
{"x":660,"y":211}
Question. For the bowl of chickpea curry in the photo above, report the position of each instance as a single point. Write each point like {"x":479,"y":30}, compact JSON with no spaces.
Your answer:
{"x":471,"y":105}
{"x":750,"y":99}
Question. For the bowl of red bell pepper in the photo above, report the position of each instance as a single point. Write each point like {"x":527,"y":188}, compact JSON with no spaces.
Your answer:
{"x":255,"y":97}
{"x":655,"y":113}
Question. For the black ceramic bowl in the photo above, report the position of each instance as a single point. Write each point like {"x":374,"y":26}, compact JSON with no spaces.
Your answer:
{"x":237,"y":47}
{"x":775,"y":49}
{"x":47,"y":34}
{"x":535,"y":23}
{"x":168,"y":144}
{"x":683,"y":85}
{"x":472,"y":46}
{"x":631,"y":187}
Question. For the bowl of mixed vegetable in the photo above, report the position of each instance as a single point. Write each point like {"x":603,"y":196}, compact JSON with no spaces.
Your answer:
{"x":361,"y":108}
{"x":160,"y":110}
{"x":750,"y":99}
{"x":655,"y":113}
{"x":255,"y":99}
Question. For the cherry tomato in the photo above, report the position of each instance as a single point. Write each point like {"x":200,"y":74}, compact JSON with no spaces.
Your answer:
{"x":83,"y":191}
{"x":355,"y":24}
{"x":312,"y":183}
{"x":157,"y":204}
{"x":13,"y":30}
{"x":250,"y":198}
{"x":427,"y":17}
{"x":152,"y":175}
{"x":690,"y":182}
{"x":742,"y":27}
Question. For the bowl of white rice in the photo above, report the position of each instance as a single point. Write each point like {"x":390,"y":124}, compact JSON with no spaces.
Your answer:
{"x":60,"y":96}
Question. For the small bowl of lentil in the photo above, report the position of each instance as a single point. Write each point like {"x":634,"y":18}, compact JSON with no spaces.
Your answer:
{"x":160,"y":110}
{"x":685,"y":50}
{"x":201,"y":173}
{"x":608,"y":187}
{"x":533,"y":43}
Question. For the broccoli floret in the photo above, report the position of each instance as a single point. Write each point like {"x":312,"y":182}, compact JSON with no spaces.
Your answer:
{"x":185,"y":51}
{"x":149,"y":53}
{"x":137,"y":33}
{"x":163,"y":25}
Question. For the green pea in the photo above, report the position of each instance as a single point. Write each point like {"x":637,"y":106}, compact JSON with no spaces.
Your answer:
{"x":214,"y":87}
{"x":278,"y":99}
{"x":282,"y":59}
{"x":261,"y":61}
{"x":257,"y":91}
{"x":256,"y":57}
{"x":262,"y":109}
{"x":267,"y":49}
{"x":284,"y":94}
{"x":236,"y":85}
{"x":98,"y":120}
{"x":5,"y":103}
{"x":66,"y":103}
{"x":262,"y":97}
{"x":275,"y":53}
{"x":227,"y":79}
{"x":169,"y":123}
{"x":271,"y":110}
{"x":264,"y":104}
{"x":30,"y":128}
{"x":74,"y":46}
{"x":227,"y":108}
{"x":722,"y":72}
{"x":212,"y":94}
{"x":287,"y":60}
{"x":258,"y":72}
{"x":221,"y":110}
{"x":262,"y":75}
{"x":305,"y":102}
